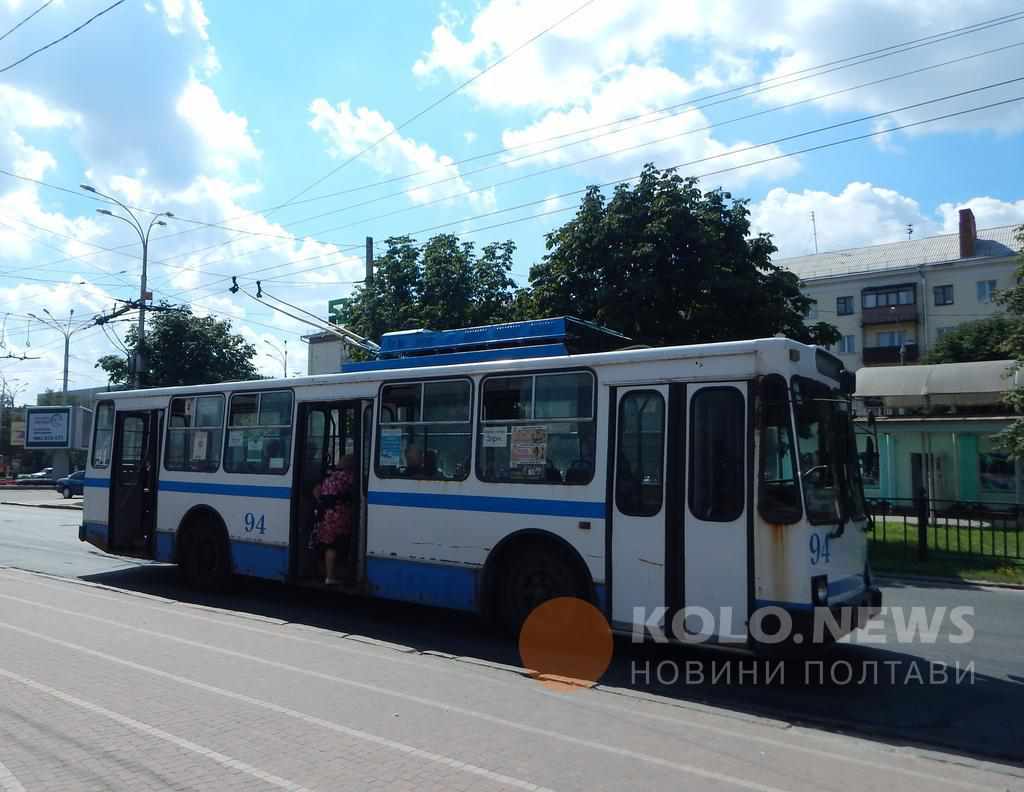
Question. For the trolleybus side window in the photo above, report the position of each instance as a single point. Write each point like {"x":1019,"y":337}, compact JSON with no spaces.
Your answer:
{"x":195,"y":433}
{"x":639,"y":476}
{"x":778,"y":497}
{"x":259,"y":433}
{"x":103,"y":435}
{"x":717,"y":450}
{"x":537,"y":428}
{"x":424,"y":430}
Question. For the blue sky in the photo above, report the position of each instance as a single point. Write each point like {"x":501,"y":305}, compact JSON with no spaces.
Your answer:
{"x":217,"y":111}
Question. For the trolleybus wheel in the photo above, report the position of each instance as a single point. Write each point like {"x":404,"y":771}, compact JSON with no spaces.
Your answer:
{"x":537,"y":573}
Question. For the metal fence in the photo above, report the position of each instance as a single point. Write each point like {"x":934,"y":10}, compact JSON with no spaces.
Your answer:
{"x":919,"y":527}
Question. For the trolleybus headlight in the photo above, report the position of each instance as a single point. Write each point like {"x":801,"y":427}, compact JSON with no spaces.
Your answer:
{"x":819,"y":589}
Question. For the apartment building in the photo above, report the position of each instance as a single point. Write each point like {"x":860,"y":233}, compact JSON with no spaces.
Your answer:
{"x":892,"y":302}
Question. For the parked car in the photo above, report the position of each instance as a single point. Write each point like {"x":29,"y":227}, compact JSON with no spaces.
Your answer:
{"x":71,"y":485}
{"x":39,"y":477}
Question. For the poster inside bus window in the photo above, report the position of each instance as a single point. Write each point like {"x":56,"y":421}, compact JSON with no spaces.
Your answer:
{"x":529,"y":446}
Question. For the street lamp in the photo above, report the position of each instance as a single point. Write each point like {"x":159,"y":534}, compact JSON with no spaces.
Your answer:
{"x":282,"y":355}
{"x":65,"y":330}
{"x":143,"y":294}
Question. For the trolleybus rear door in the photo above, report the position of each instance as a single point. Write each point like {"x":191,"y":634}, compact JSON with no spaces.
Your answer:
{"x":716,"y":541}
{"x":638,"y":504}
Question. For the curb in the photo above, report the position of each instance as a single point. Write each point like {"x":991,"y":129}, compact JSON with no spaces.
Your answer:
{"x":949,"y":581}
{"x":42,"y":505}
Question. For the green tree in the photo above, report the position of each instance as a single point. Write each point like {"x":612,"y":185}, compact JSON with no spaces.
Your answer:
{"x":983,"y":339}
{"x":666,"y":263}
{"x":442,"y":284}
{"x":1012,"y":438}
{"x":184,"y":349}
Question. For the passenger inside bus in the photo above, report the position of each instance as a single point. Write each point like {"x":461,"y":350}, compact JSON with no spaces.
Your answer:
{"x":335,"y":506}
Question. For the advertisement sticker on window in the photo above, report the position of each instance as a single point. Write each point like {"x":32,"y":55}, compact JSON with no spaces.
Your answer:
{"x":529,"y":446}
{"x":390,"y":447}
{"x":199,"y":445}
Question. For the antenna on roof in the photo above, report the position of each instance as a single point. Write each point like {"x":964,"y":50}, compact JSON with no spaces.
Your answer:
{"x":814,"y":231}
{"x":910,"y":231}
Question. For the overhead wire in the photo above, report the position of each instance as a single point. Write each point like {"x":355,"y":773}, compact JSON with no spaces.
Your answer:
{"x":26,"y":19}
{"x":56,"y":41}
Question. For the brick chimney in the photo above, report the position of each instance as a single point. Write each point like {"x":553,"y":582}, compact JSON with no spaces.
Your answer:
{"x":968,"y":233}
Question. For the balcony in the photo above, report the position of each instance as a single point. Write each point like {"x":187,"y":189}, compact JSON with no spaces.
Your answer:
{"x":889,"y":355}
{"x":888,"y":314}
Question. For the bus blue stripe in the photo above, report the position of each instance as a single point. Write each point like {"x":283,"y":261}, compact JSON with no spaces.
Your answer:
{"x":102,"y":483}
{"x":481,"y":503}
{"x":211,"y":488}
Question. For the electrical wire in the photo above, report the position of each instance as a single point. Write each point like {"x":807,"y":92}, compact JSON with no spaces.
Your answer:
{"x":34,"y":52}
{"x":26,"y":19}
{"x":395,"y":129}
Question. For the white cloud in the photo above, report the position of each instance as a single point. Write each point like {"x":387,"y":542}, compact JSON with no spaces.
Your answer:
{"x":225,"y":134}
{"x":469,"y":136}
{"x":665,"y":140}
{"x":349,"y":132}
{"x":864,"y":214}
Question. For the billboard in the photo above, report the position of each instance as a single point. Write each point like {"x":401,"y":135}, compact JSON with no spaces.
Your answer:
{"x":18,"y":431}
{"x":48,"y":427}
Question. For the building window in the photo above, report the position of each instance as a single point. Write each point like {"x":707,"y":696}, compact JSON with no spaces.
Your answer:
{"x":844,"y":306}
{"x":194,"y":433}
{"x":259,"y":433}
{"x":894,"y":338}
{"x":537,"y":429}
{"x":425,"y":431}
{"x":847,"y":345}
{"x":639,"y":473}
{"x":717,"y":450}
{"x":899,"y":295}
{"x":944,"y":295}
{"x":996,"y":468}
{"x":103,"y":435}
{"x":986,"y":291}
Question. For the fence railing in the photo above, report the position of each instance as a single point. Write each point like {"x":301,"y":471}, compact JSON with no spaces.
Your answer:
{"x":918,"y":527}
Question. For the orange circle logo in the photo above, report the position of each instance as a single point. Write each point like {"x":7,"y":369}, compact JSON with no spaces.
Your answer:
{"x":567,"y":642}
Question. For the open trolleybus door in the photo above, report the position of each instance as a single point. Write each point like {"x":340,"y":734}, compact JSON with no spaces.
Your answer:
{"x":133,"y":482}
{"x":327,"y":432}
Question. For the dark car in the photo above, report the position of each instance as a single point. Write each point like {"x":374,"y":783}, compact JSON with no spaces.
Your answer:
{"x":71,"y":485}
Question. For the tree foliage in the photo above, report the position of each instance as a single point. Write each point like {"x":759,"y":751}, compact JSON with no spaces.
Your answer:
{"x":184,"y":349}
{"x":983,"y":339}
{"x":665,"y":263}
{"x":442,"y":284}
{"x":1012,"y":438}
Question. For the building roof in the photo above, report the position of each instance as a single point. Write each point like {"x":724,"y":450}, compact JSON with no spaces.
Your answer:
{"x":943,"y":384}
{"x":992,"y":242}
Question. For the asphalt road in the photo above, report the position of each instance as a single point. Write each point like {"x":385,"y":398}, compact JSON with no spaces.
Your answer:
{"x":114,"y":677}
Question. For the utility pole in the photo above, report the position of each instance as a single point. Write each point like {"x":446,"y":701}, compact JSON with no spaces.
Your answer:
{"x":144,"y":295}
{"x":282,"y":354}
{"x":814,"y":231}
{"x":65,"y":330}
{"x":369,"y":261}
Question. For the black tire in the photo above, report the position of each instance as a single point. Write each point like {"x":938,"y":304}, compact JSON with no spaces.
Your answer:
{"x":66,"y":493}
{"x":205,"y":557}
{"x":534,"y":574}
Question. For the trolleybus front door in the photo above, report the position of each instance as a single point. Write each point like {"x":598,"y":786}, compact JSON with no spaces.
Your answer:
{"x":718,"y":535}
{"x":133,"y":482}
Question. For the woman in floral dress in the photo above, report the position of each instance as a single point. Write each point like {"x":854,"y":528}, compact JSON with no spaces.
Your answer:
{"x":335,"y":501}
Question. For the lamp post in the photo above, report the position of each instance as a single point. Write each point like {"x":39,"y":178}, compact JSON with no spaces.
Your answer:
{"x":65,"y":330}
{"x":282,"y":355}
{"x":143,"y":294}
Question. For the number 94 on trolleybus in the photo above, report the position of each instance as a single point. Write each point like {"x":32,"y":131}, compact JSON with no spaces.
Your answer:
{"x":705,"y":493}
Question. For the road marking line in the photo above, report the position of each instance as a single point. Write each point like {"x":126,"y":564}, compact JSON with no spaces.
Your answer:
{"x":8,"y":783}
{"x":152,"y":731}
{"x":173,"y":607}
{"x":518,"y":726}
{"x":348,"y":731}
